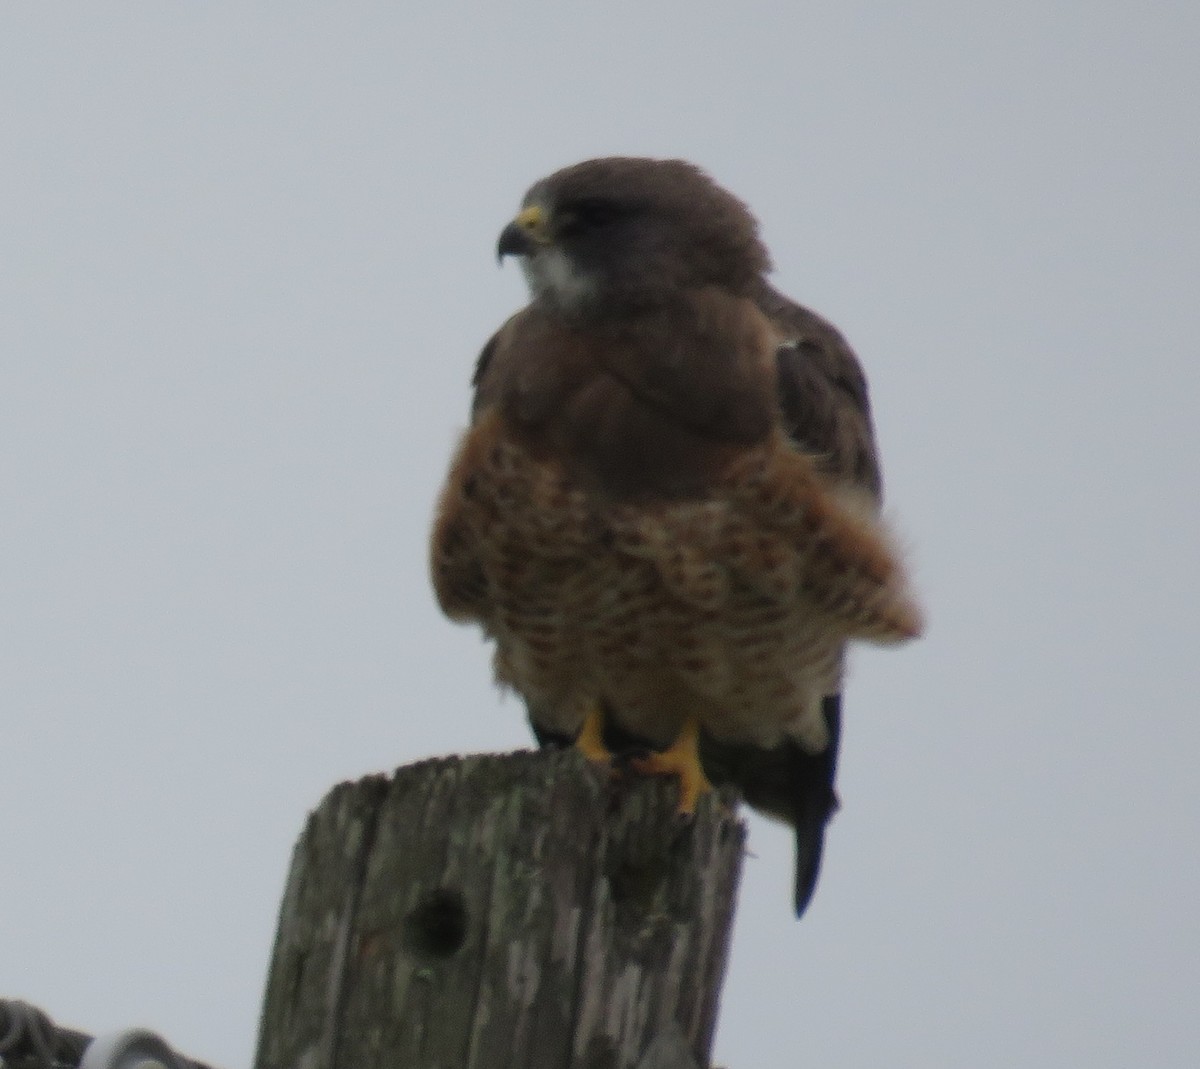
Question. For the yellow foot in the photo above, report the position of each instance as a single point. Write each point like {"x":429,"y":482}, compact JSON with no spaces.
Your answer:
{"x":682,"y":760}
{"x":590,"y":740}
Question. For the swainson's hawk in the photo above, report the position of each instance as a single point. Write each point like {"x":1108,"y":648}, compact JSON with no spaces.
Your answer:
{"x":665,"y":511}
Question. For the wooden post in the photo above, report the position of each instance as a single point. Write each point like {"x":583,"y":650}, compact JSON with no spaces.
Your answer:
{"x":502,"y":911}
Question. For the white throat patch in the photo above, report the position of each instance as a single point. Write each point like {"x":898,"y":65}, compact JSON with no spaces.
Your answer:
{"x":554,"y":276}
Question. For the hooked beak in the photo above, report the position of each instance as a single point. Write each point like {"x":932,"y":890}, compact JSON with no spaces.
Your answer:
{"x":524,"y":234}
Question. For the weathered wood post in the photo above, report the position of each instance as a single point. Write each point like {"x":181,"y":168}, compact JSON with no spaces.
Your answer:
{"x":501,"y":911}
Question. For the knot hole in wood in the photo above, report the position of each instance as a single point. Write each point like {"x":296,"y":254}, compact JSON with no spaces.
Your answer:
{"x":437,"y":926}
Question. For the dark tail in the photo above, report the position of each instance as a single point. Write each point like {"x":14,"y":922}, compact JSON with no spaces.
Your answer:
{"x":789,"y":784}
{"x":786,"y":782}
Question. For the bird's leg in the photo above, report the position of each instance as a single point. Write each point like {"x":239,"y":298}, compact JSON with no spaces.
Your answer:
{"x":682,"y":760}
{"x":590,"y":740}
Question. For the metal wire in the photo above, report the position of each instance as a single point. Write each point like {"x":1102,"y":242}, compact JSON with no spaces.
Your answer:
{"x":29,"y":1039}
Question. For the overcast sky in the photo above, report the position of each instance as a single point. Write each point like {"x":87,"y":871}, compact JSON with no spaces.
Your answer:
{"x":246,"y":263}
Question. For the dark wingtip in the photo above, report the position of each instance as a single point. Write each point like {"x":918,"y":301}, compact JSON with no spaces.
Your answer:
{"x":810,"y":844}
{"x":785,"y":782}
{"x":814,"y":808}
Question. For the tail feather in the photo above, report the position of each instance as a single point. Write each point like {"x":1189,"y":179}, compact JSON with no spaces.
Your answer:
{"x":786,"y":782}
{"x":789,"y":784}
{"x":816,"y":801}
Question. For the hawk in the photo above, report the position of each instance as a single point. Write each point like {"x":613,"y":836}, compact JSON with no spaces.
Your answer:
{"x":665,"y":511}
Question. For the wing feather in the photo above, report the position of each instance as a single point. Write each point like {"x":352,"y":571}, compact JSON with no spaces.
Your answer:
{"x":823,"y":394}
{"x":826,"y":412}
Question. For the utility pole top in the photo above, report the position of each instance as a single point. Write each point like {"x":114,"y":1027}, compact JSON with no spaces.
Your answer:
{"x":490,"y":912}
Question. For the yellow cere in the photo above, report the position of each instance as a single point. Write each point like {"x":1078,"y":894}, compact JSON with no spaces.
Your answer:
{"x":532,"y":219}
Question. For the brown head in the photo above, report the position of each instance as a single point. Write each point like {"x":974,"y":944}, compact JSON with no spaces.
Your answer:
{"x":612,"y":235}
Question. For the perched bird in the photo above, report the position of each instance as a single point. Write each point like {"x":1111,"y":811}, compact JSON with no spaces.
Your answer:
{"x":665,"y":511}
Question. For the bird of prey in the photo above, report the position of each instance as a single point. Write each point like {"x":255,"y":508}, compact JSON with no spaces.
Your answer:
{"x":665,"y":511}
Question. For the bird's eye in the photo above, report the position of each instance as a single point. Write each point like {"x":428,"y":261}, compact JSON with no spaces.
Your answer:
{"x":590,"y":214}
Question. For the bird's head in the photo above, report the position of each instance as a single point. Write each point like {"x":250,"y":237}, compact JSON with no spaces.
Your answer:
{"x":610,"y":235}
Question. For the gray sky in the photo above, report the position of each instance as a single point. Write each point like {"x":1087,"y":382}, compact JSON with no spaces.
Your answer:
{"x":246,"y":262}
